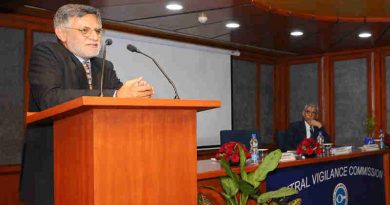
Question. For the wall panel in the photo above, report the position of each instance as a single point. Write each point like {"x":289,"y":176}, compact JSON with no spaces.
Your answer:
{"x":266,"y":102}
{"x":11,"y":95}
{"x":244,"y":92}
{"x":387,"y":70}
{"x":350,"y":101}
{"x":303,"y":88}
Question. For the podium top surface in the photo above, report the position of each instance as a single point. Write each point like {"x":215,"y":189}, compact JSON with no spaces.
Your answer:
{"x":86,"y":102}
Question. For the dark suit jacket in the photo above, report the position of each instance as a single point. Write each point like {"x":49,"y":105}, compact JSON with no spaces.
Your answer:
{"x":296,"y":132}
{"x":55,"y":76}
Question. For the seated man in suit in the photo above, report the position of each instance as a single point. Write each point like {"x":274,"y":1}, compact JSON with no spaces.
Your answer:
{"x":308,"y":127}
{"x":61,"y":71}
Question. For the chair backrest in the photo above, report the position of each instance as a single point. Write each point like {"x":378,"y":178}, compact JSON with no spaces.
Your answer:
{"x":242,"y":136}
{"x":281,"y":141}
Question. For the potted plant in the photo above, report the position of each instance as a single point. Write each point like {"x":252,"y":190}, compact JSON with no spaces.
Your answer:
{"x":369,"y":124}
{"x":238,"y":188}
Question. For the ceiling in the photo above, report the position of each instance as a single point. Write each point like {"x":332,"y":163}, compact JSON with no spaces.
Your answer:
{"x":263,"y":25}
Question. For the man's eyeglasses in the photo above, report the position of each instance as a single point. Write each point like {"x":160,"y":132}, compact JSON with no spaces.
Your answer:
{"x":86,"y":31}
{"x":310,"y":112}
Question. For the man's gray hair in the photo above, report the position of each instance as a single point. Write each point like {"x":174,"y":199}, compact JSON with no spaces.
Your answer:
{"x":65,"y":12}
{"x":310,"y":105}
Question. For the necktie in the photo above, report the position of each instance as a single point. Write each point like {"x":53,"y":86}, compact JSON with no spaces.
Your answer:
{"x":88,"y":73}
{"x":311,"y":131}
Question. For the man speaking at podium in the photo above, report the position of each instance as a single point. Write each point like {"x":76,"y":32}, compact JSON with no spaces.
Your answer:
{"x":59,"y":72}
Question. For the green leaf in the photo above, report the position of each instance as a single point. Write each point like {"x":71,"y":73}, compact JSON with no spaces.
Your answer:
{"x":229,"y":186}
{"x":243,"y":199}
{"x":244,"y":175}
{"x":269,"y":164}
{"x":228,"y":170}
{"x":297,"y":201}
{"x":246,"y":187}
{"x":282,"y":192}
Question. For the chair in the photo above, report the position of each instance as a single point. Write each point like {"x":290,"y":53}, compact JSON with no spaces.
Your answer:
{"x":281,"y":141}
{"x":241,"y":136}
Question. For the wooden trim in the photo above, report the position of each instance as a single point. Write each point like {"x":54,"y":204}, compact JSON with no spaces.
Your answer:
{"x":386,"y":176}
{"x":9,"y":169}
{"x":81,"y":103}
{"x":190,"y":39}
{"x":28,"y":38}
{"x":327,"y":105}
{"x":207,"y":172}
{"x":383,"y":94}
{"x":258,"y":101}
{"x":264,"y":59}
{"x":309,"y":15}
{"x":281,"y":96}
{"x":23,"y":22}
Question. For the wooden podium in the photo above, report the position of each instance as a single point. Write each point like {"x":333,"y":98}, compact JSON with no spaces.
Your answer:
{"x":112,"y":151}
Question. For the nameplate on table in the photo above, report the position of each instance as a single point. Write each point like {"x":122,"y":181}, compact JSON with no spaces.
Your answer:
{"x":287,"y":156}
{"x":341,"y":150}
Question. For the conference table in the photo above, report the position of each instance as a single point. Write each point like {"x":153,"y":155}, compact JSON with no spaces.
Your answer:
{"x":359,"y":177}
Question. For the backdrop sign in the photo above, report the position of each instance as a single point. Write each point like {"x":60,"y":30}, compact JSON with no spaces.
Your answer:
{"x":353,"y":181}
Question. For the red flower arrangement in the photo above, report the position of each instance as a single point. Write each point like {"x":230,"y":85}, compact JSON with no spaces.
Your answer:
{"x":231,"y":153}
{"x":309,"y":146}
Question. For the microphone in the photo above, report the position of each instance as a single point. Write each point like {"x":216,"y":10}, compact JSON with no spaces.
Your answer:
{"x":106,"y":43}
{"x":134,"y":49}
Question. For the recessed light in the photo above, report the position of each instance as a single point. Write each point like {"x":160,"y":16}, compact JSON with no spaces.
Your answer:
{"x":174,"y":6}
{"x":365,"y":35}
{"x":232,"y":25}
{"x":296,"y":33}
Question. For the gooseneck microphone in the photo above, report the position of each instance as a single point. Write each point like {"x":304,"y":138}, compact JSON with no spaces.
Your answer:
{"x":106,"y":43}
{"x":134,"y":49}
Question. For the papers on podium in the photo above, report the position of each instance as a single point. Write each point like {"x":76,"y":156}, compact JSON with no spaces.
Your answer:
{"x":370,"y":147}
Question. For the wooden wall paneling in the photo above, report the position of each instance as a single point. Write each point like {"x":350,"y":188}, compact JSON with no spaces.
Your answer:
{"x":326,"y":105}
{"x":9,"y":185}
{"x":386,"y":176}
{"x":320,"y":90}
{"x":266,"y":59}
{"x":376,"y":70}
{"x":27,"y":53}
{"x":281,"y":96}
{"x":384,"y":52}
{"x":331,"y":99}
{"x":24,"y":22}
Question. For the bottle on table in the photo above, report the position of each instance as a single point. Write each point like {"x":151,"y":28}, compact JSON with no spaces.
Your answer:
{"x":381,"y":139}
{"x":320,"y":139}
{"x":254,"y":149}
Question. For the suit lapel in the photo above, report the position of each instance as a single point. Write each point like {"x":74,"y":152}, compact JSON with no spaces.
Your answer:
{"x":96,"y":73}
{"x":80,"y":73}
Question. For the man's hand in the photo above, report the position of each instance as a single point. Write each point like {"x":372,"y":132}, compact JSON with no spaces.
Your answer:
{"x":135,"y":88}
{"x":314,"y":123}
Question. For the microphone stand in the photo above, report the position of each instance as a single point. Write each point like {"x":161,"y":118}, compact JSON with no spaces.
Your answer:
{"x":162,"y":71}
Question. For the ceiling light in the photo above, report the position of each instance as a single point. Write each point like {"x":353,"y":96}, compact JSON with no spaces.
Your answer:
{"x":296,"y":33}
{"x":365,"y":35}
{"x":232,"y":25}
{"x":174,"y":6}
{"x":202,"y":18}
